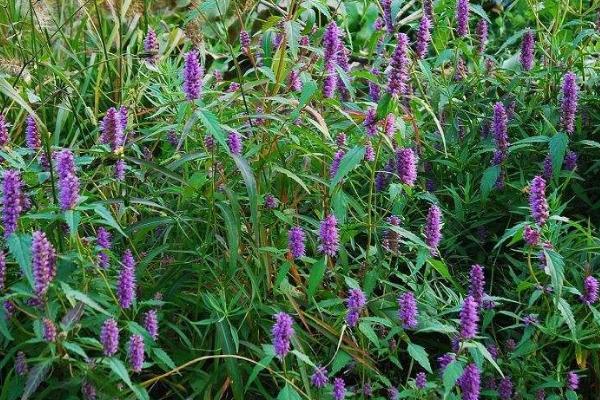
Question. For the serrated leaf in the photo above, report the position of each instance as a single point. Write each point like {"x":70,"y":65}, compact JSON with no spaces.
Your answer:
{"x":107,"y":218}
{"x":288,"y":393}
{"x":488,"y":180}
{"x":419,"y":354}
{"x":567,"y":313}
{"x":20,"y":248}
{"x":368,"y":331}
{"x":163,"y":357}
{"x":558,"y":148}
{"x":35,"y":377}
{"x":350,"y":160}
{"x":73,"y":295}
{"x":303,"y":357}
{"x":451,"y":374}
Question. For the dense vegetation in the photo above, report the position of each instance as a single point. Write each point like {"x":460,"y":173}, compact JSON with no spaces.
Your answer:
{"x":300,"y":199}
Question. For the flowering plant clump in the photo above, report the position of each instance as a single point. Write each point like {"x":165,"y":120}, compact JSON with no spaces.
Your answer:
{"x":304,"y":199}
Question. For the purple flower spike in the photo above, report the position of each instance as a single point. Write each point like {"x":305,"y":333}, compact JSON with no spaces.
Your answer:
{"x":245,"y":41}
{"x":393,"y":393}
{"x":319,"y":377}
{"x":12,"y":200}
{"x":470,"y":382}
{"x":344,"y":64}
{"x":408,"y":312}
{"x":406,"y":164}
{"x":2,"y":271}
{"x":339,"y":389}
{"x":340,"y":140}
{"x":500,"y":127}
{"x":43,"y":262}
{"x":423,"y":37}
{"x":335,"y":163}
{"x":421,"y":380}
{"x":68,"y":183}
{"x":88,"y":391}
{"x":369,"y":152}
{"x":282,"y":332}
{"x":151,"y":46}
{"x":370,"y":122}
{"x":354,"y":303}
{"x":444,"y":360}
{"x":548,"y":167}
{"x":136,"y":353}
{"x":296,"y":239}
{"x":113,"y":127}
{"x":386,"y":5}
{"x":329,"y":241}
{"x":399,"y":76}
{"x":109,"y":337}
{"x":32,"y":134}
{"x":572,"y":380}
{"x":569,"y":102}
{"x":271,"y":202}
{"x":331,"y":43}
{"x":531,"y":236}
{"x":294,"y":81}
{"x":126,"y":285}
{"x":234,"y":141}
{"x":433,"y":229}
{"x":527,"y":49}
{"x":374,"y":89}
{"x":571,"y":161}
{"x":469,"y":317}
{"x":462,"y":18}
{"x":151,"y":323}
{"x":476,"y":287}
{"x":103,"y":239}
{"x":21,"y":367}
{"x":537,"y":200}
{"x":505,"y":388}
{"x":590,"y":290}
{"x":192,"y":76}
{"x":428,"y":9}
{"x":4,"y":136}
{"x":481,"y":30}
{"x":389,"y":125}
{"x":48,"y":330}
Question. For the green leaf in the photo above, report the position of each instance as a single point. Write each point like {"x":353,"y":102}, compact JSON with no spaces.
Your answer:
{"x":75,"y":295}
{"x":368,"y":331}
{"x":317,"y":272}
{"x":225,"y":340}
{"x":4,"y":331}
{"x":262,"y":364}
{"x":288,"y":393}
{"x":555,"y":267}
{"x":20,"y":248}
{"x":211,"y":123}
{"x":419,"y":354}
{"x":490,"y":176}
{"x":107,"y":218}
{"x":292,"y":29}
{"x":293,"y":176}
{"x":163,"y":358}
{"x":558,"y":148}
{"x":451,"y":374}
{"x":231,"y":226}
{"x":72,"y":219}
{"x":303,"y":357}
{"x":35,"y":377}
{"x":567,"y":313}
{"x":351,"y":159}
{"x":119,"y":368}
{"x":308,"y":90}
{"x":440,"y":267}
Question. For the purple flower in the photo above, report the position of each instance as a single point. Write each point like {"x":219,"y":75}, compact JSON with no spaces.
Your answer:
{"x":245,"y":41}
{"x":151,"y":46}
{"x":88,"y":391}
{"x":548,"y":167}
{"x":343,"y":63}
{"x":43,"y":262}
{"x":2,"y":271}
{"x":531,"y":236}
{"x":461,"y":70}
{"x":374,"y":89}
{"x":151,"y":323}
{"x":296,"y":239}
{"x":433,"y":229}
{"x":476,"y":287}
{"x":234,"y":141}
{"x":209,"y":142}
{"x":329,"y":241}
{"x":527,"y":49}
{"x":126,"y":285}
{"x":590,"y":290}
{"x":192,"y":76}
{"x":48,"y":330}
{"x":391,"y":238}
{"x":406,"y":165}
{"x":444,"y":360}
{"x":481,"y":30}
{"x":32,"y":134}
{"x":335,"y":163}
{"x":421,"y":380}
{"x":136,"y":352}
{"x":12,"y":200}
{"x":120,"y":166}
{"x":367,"y":390}
{"x":68,"y":183}
{"x":571,"y":161}
{"x":103,"y":239}
{"x":572,"y":380}
{"x":370,"y":122}
{"x":389,"y":125}
{"x":331,"y":42}
{"x":294,"y":81}
{"x":423,"y":37}
{"x":113,"y":127}
{"x":4,"y":136}
{"x":369,"y":152}
{"x":469,"y":317}
{"x":21,"y":364}
{"x":469,"y":382}
{"x":319,"y":377}
{"x":383,"y":178}
{"x":339,"y":389}
{"x":408,"y":312}
{"x":354,"y":303}
{"x":9,"y":308}
{"x":233,"y":87}
{"x":500,"y":127}
{"x":493,"y":350}
{"x":282,"y":332}
{"x":462,"y":18}
{"x":271,"y":201}
{"x":109,"y":337}
{"x":393,"y":393}
{"x":340,"y":140}
{"x":540,"y":395}
{"x":569,"y":102}
{"x":530,"y":319}
{"x":537,"y":200}
{"x":398,"y":76}
{"x":386,"y":5}
{"x":505,"y":388}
